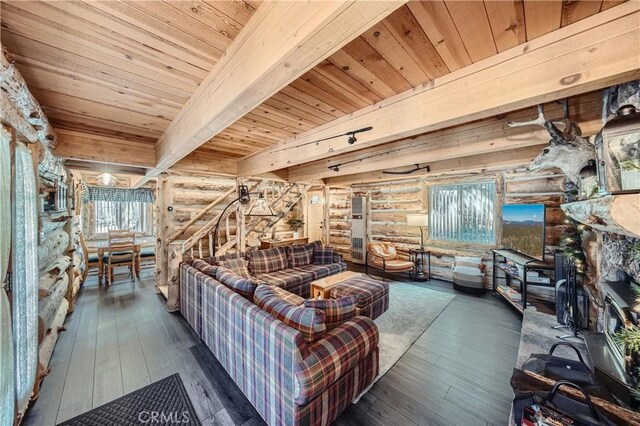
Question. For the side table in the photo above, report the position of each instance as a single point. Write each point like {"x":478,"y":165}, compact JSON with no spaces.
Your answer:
{"x":418,"y":256}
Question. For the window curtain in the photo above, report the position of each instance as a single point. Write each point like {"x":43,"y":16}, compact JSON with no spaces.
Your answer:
{"x":463,"y":212}
{"x":7,"y":384}
{"x":25,"y":276}
{"x":102,"y":193}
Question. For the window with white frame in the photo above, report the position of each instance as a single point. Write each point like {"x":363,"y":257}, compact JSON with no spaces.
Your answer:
{"x":107,"y":215}
{"x":463,"y":213}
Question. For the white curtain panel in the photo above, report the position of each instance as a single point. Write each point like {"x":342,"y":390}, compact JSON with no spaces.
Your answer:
{"x":5,"y":199}
{"x":7,"y":385}
{"x":25,"y":276}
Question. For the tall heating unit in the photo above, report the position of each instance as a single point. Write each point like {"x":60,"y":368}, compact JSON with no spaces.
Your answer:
{"x":358,"y":229}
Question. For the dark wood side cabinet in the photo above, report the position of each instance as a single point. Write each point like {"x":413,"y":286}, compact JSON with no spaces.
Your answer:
{"x":283,"y":243}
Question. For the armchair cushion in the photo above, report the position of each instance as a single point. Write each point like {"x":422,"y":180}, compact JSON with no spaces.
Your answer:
{"x":335,"y":355}
{"x":383,"y":251}
{"x":336,"y":311}
{"x":300,"y":255}
{"x":323,"y":255}
{"x":267,"y":261}
{"x":391,"y":265}
{"x":308,"y":321}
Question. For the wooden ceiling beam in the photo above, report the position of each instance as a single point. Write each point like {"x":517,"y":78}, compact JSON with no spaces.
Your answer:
{"x":490,"y":135}
{"x":104,"y":149}
{"x":465,"y":165}
{"x":282,"y":41}
{"x":596,"y":52}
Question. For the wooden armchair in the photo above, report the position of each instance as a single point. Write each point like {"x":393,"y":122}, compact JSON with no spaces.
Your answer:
{"x":122,"y":252}
{"x":385,"y":257}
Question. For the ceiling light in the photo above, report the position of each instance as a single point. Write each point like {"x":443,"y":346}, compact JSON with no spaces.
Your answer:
{"x":352,"y":139}
{"x":261,"y":208}
{"x":107,"y":179}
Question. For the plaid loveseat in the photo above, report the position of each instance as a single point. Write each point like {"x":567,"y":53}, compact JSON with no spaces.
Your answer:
{"x":287,"y":380}
{"x":296,"y":280}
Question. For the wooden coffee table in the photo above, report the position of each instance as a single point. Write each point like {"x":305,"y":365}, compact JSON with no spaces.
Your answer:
{"x":320,"y":288}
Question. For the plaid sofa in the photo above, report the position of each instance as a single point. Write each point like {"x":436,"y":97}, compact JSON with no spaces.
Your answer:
{"x":295,"y":280}
{"x":288,"y":381}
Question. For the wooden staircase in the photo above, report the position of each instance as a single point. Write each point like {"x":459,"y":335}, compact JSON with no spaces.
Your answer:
{"x":280,"y":196}
{"x":281,"y":199}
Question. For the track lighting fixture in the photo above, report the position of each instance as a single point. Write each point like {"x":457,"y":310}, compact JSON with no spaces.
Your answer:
{"x":351,"y":140}
{"x":335,"y":168}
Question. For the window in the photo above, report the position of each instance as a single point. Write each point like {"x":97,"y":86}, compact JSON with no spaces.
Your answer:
{"x":106,"y":215}
{"x":463,"y":213}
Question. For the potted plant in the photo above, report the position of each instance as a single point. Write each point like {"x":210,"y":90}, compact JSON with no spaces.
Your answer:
{"x":295,"y":223}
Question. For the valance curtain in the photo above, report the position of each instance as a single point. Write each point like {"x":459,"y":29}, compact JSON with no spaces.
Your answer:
{"x":25,"y":276}
{"x":7,"y":387}
{"x":101,"y":193}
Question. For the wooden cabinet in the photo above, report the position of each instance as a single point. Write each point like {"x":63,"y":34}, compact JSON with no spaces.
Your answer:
{"x":283,"y":243}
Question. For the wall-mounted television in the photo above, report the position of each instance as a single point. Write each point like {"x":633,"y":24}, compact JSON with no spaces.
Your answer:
{"x":523,"y":229}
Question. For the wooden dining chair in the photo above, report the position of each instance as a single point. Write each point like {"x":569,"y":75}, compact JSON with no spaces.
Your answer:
{"x":122,"y":252}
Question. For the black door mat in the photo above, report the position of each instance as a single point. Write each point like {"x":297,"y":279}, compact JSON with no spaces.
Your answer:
{"x":164,"y":402}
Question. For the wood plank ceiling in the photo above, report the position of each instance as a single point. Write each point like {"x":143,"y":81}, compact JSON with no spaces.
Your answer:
{"x":419,"y":42}
{"x":118,"y":68}
{"x":125,"y":68}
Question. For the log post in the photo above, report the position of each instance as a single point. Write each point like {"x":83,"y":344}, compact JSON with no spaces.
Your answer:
{"x":174,"y":261}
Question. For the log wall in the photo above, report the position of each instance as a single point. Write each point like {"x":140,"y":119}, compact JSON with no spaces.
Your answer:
{"x":338,"y":216}
{"x":390,"y":201}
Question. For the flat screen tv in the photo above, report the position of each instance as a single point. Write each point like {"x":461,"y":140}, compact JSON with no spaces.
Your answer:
{"x":523,"y":229}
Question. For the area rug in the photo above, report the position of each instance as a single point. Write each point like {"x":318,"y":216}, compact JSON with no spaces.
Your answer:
{"x":162,"y":402}
{"x":411,"y":310}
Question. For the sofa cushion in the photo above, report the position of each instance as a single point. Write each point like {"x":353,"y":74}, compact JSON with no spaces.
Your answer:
{"x":300,"y":255}
{"x":322,"y":271}
{"x":294,"y":299}
{"x":205,"y":267}
{"x":323,"y":255}
{"x":336,"y":311}
{"x":308,"y":321}
{"x":287,"y":279}
{"x":266,"y":261}
{"x":245,"y":287}
{"x":237,"y":265}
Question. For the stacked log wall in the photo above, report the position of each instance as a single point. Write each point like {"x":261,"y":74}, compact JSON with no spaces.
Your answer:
{"x":60,"y":264}
{"x":338,"y":216}
{"x":390,"y":201}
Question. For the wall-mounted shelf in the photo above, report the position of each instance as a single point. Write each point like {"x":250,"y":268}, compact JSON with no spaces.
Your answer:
{"x":612,"y":213}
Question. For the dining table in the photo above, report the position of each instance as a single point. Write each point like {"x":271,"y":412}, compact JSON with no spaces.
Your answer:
{"x":101,"y":247}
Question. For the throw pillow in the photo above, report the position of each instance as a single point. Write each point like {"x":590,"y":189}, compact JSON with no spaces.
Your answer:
{"x":323,"y":255}
{"x":267,"y":261}
{"x":243,"y":286}
{"x":205,"y":267}
{"x":238,"y":265}
{"x":308,"y":321}
{"x":300,"y":255}
{"x":336,"y":311}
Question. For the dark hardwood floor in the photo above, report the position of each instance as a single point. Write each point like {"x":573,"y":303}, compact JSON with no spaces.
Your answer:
{"x":121,"y":338}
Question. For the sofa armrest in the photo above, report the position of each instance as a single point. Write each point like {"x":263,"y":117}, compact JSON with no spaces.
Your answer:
{"x":334,"y":355}
{"x":338,"y":258}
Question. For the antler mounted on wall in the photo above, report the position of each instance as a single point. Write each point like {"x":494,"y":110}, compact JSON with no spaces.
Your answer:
{"x":567,"y":150}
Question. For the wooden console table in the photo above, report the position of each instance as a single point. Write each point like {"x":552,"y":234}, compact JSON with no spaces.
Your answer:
{"x":267,"y":244}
